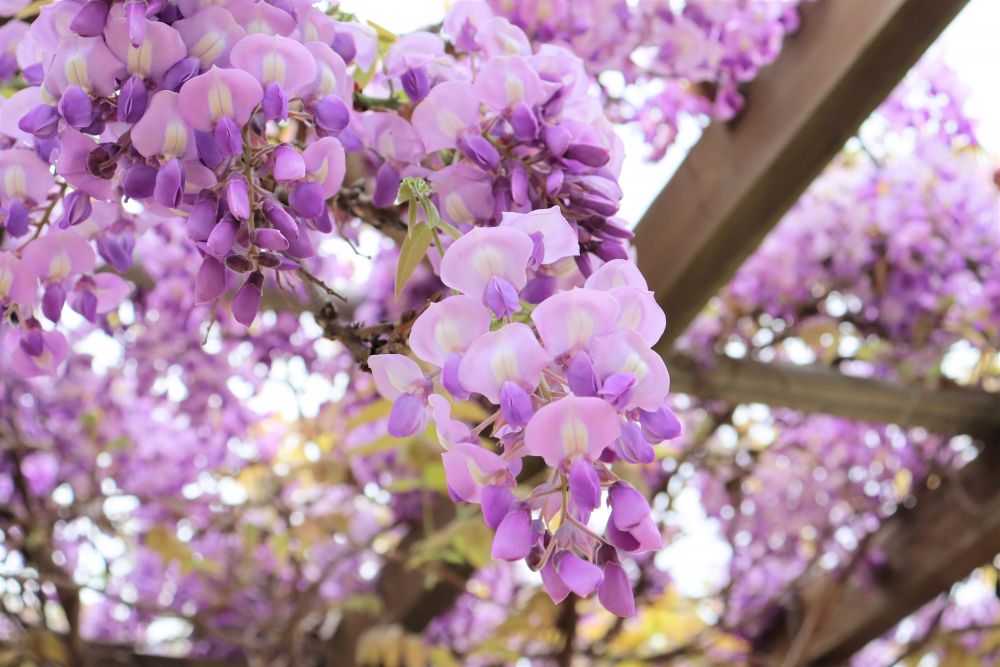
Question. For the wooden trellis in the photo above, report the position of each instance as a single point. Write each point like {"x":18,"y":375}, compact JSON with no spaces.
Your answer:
{"x":733,"y":187}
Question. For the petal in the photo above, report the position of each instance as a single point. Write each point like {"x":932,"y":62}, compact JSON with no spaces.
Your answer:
{"x":470,"y":262}
{"x":407,"y":417}
{"x":162,"y":131}
{"x":468,"y":468}
{"x":558,"y":238}
{"x":85,"y":62}
{"x":568,"y":321}
{"x":553,"y":583}
{"x":584,"y":486}
{"x":262,"y":18}
{"x":615,"y":592}
{"x":161,"y":48}
{"x":513,"y":537}
{"x":391,"y":136}
{"x":23,"y":176}
{"x":396,"y":374}
{"x":450,"y":431}
{"x":331,"y":76}
{"x":628,"y":507}
{"x":449,"y":110}
{"x":570,"y":428}
{"x":58,"y":255}
{"x":275,"y":59}
{"x":17,"y":281}
{"x":448,"y":326}
{"x":580,"y":576}
{"x":219,"y":93}
{"x":505,"y":81}
{"x":111,"y":290}
{"x":210,"y":35}
{"x":326,"y":164}
{"x":510,"y":353}
{"x":640,"y":312}
{"x":626,"y":352}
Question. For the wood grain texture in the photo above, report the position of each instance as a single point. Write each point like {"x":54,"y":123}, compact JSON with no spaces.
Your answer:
{"x":741,"y":177}
{"x":818,"y":389}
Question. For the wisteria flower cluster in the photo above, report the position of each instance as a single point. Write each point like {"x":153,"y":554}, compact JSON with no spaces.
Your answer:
{"x":571,"y":380}
{"x":679,"y":59}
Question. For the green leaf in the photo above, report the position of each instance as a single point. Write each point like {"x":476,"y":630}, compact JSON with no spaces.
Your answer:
{"x":411,"y":253}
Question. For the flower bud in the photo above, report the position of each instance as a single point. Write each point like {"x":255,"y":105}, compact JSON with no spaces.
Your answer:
{"x":210,"y":283}
{"x":246,"y":302}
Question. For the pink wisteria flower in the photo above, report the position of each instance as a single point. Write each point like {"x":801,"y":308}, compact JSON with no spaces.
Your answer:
{"x":573,"y":381}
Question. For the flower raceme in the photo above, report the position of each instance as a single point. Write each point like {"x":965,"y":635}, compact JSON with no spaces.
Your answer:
{"x":222,"y":131}
{"x":571,"y":380}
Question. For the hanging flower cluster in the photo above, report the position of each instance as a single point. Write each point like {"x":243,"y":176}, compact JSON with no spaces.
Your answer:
{"x":680,"y":59}
{"x":571,"y":380}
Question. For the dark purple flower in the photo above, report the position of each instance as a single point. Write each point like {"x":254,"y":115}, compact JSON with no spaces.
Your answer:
{"x":116,"y":251}
{"x":179,"y":72}
{"x":332,"y":114}
{"x":228,"y":137}
{"x":615,"y":591}
{"x":588,"y":154}
{"x":220,"y":241}
{"x":246,"y":301}
{"x":660,"y":425}
{"x":449,"y":377}
{"x":139,"y":181}
{"x":515,"y":405}
{"x":76,"y":209}
{"x":343,"y":46}
{"x":269,"y":238}
{"x":416,"y":84}
{"x":584,"y":485}
{"x":480,"y":151}
{"x":16,"y":218}
{"x":307,"y":199}
{"x":501,"y":297}
{"x":76,"y":107}
{"x":582,"y":378}
{"x":524,"y":122}
{"x":387,"y":182}
{"x":90,"y":20}
{"x":275,"y":102}
{"x":169,"y":188}
{"x":495,"y":502}
{"x":632,"y":446}
{"x":132,"y":100}
{"x":52,"y":301}
{"x":202,"y":219}
{"x":513,"y":538}
{"x":238,"y":196}
{"x":42,"y":121}
{"x":280,"y":218}
{"x":210,"y":283}
{"x":618,"y":388}
{"x":407,"y":417}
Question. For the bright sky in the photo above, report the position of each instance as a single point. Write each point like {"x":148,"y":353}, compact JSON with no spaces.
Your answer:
{"x":969,"y":45}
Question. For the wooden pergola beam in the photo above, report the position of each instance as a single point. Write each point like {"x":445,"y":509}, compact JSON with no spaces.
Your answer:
{"x":824,"y":390}
{"x":951,"y":531}
{"x":741,"y":177}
